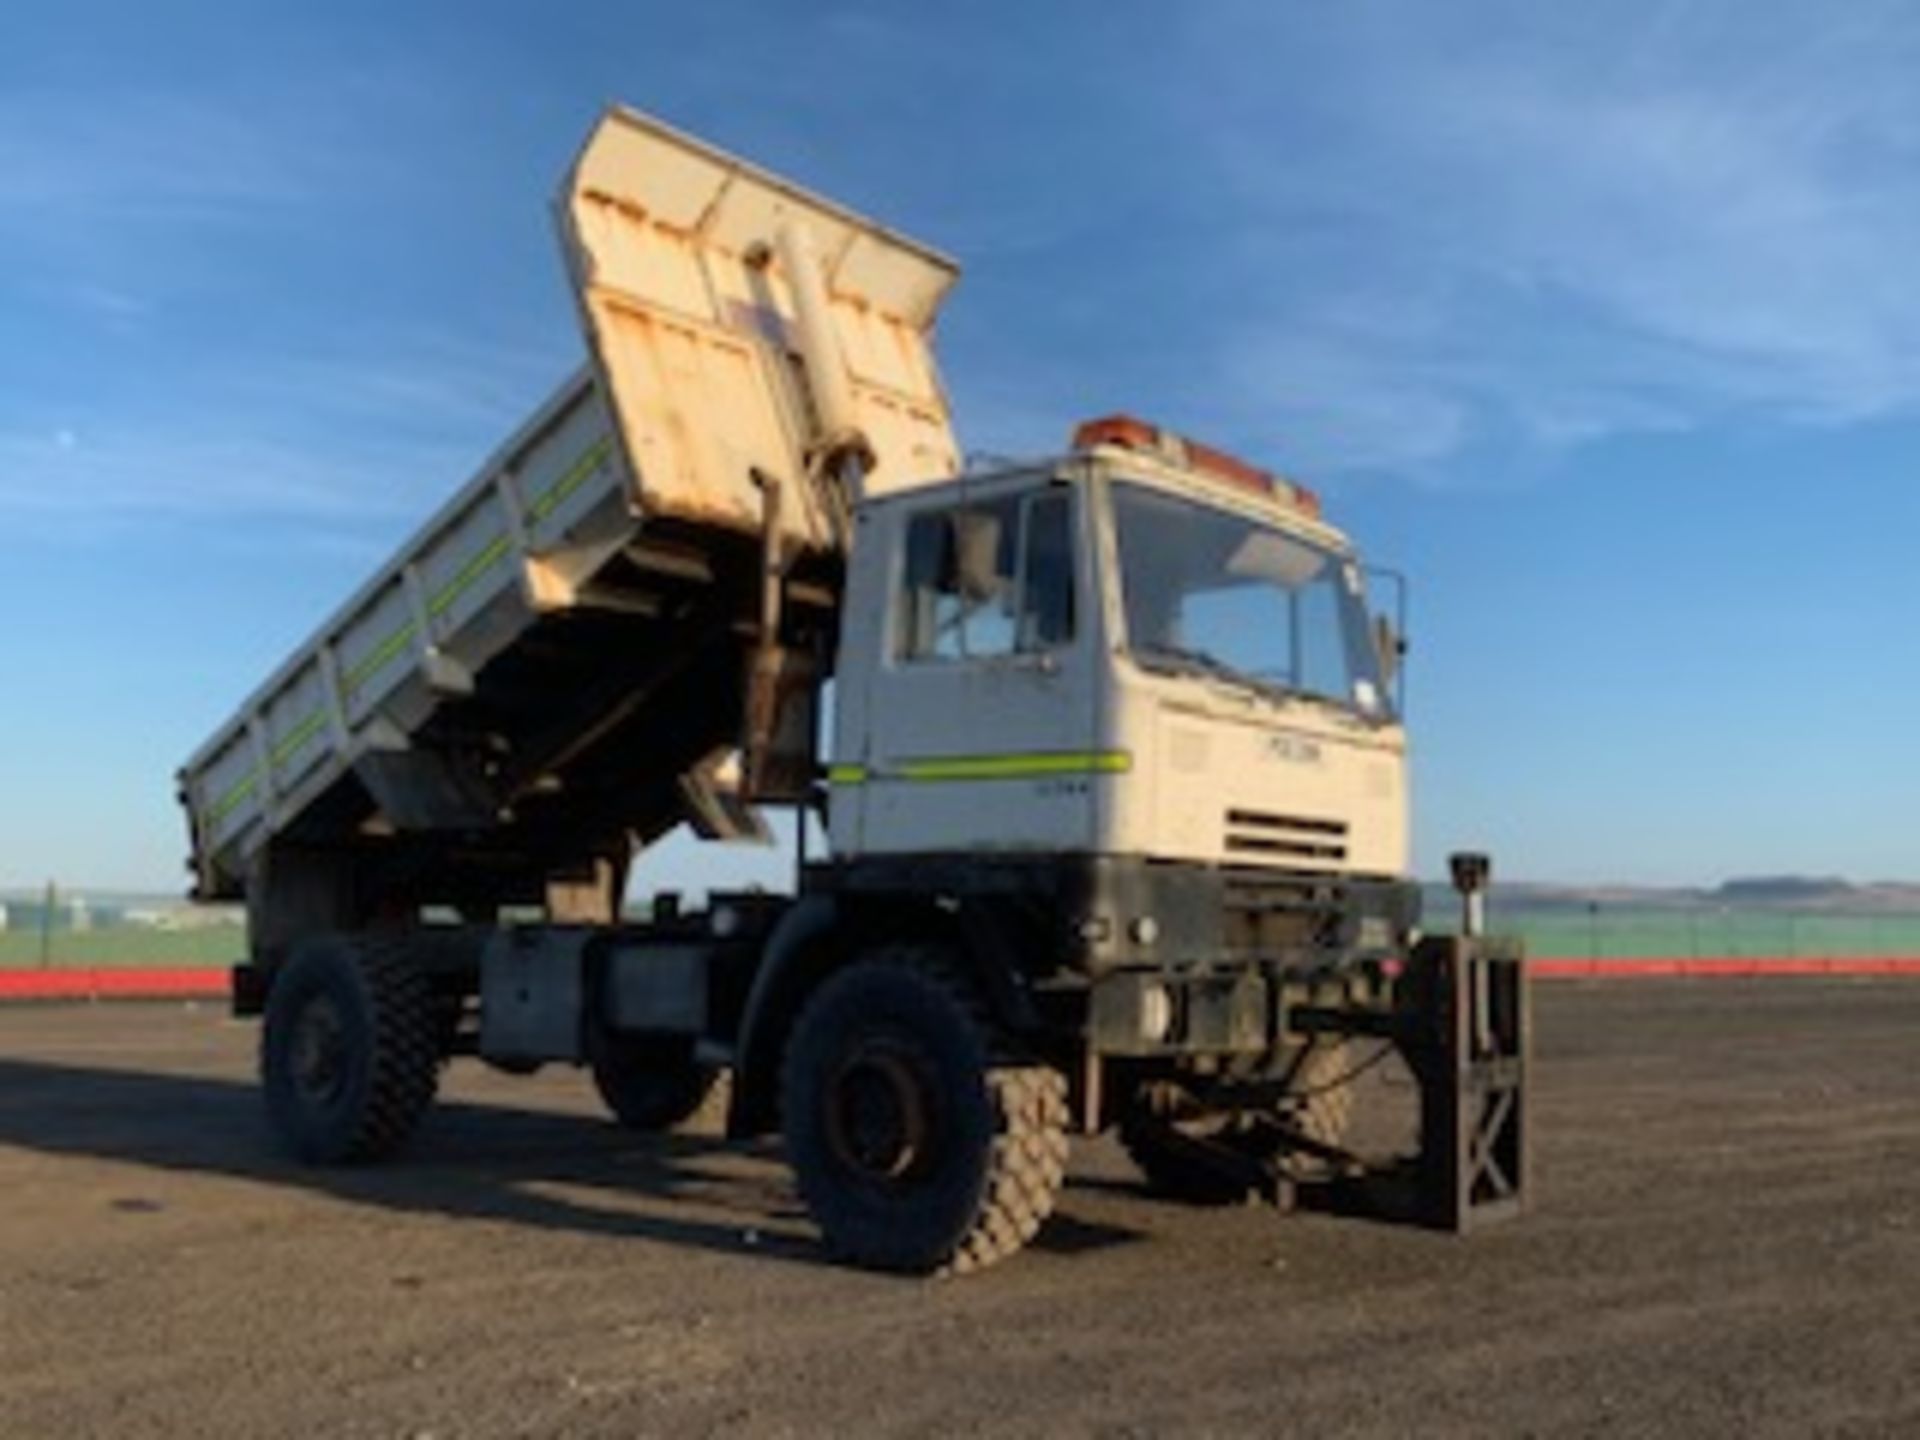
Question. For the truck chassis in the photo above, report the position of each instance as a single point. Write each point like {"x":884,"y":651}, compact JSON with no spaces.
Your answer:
{"x":926,"y":1061}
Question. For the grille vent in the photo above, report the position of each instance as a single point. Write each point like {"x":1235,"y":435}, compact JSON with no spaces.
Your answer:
{"x":1258,"y":837}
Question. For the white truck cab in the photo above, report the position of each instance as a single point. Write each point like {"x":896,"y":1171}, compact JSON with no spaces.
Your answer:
{"x":1124,"y":652}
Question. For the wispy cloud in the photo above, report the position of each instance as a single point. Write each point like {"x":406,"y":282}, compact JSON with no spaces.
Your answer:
{"x":181,"y":249}
{"x":110,"y":304}
{"x":418,"y":379}
{"x":1567,"y":226}
{"x":156,"y":471}
{"x":68,"y":157}
{"x":346,"y":442}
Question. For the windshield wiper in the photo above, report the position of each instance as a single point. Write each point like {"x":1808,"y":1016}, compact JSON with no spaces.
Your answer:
{"x":1178,"y":657}
{"x":1202,"y":662}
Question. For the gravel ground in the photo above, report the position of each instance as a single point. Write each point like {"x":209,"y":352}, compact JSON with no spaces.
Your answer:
{"x":1726,"y":1241}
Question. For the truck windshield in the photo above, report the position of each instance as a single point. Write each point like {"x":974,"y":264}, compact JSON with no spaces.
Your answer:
{"x":1212,"y":592}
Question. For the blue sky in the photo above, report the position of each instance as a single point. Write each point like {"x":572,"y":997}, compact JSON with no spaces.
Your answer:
{"x":1602,"y":322}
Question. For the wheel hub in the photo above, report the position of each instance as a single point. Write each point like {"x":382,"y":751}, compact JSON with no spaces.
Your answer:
{"x":880,"y":1115}
{"x":319,"y":1052}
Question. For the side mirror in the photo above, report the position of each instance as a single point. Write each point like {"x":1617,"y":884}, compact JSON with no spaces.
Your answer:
{"x":1392,"y":647}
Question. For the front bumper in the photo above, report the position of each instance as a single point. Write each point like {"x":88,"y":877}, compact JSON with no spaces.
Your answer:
{"x":1193,"y":959}
{"x":1175,"y":915}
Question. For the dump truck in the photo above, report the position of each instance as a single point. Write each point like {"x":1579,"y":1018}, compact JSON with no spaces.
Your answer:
{"x":1096,"y":764}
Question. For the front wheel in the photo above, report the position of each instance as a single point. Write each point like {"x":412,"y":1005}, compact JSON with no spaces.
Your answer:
{"x":916,"y":1146}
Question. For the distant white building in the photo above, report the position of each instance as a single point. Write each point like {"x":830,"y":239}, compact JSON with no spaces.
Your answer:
{"x":3,"y":915}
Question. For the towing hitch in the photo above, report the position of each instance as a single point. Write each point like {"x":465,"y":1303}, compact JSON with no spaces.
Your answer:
{"x":1460,"y":1019}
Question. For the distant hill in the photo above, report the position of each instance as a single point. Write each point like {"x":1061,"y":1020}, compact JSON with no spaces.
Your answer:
{"x":1788,"y":890}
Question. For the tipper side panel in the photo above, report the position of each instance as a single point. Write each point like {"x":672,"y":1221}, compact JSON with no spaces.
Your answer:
{"x":463,"y":589}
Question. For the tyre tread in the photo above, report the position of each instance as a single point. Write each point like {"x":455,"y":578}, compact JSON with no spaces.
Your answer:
{"x":406,"y":1063}
{"x":402,"y":1035}
{"x":1026,"y":1163}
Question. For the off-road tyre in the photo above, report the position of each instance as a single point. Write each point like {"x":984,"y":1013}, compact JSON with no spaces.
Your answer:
{"x":349,"y":1053}
{"x":899,"y":1041}
{"x":1322,"y":1091}
{"x":1173,"y":1145}
{"x":650,"y":1085}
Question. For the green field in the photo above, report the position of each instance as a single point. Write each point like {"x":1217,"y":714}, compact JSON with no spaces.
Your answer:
{"x":123,"y":945}
{"x":1560,"y":932}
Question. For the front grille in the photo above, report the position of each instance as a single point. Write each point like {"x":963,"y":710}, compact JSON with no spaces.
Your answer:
{"x":1292,"y":842}
{"x":1268,"y":913}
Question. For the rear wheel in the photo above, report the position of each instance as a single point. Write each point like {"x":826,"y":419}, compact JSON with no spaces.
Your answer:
{"x":349,"y":1059}
{"x":1206,"y":1155}
{"x":650,"y":1084}
{"x":918,"y":1145}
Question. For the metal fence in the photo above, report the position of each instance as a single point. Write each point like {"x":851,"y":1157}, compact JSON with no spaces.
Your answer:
{"x":58,"y":928}
{"x":1601,"y":932}
{"x":39,"y":936}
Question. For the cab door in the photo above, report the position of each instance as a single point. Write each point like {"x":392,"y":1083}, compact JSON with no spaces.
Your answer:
{"x":976,"y":726}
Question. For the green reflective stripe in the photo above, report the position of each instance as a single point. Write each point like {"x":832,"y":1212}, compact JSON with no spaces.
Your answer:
{"x":470,"y":572}
{"x":1014,"y":767}
{"x":571,"y":480}
{"x":846,"y":774}
{"x":297,"y":737}
{"x":234,"y":796}
{"x":1028,"y":766}
{"x":283,"y":752}
{"x":386,"y":650}
{"x":443,"y":599}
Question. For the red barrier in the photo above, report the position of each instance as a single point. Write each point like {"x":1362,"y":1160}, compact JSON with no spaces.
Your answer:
{"x":1723,"y":967}
{"x":210,"y":983}
{"x":114,"y":983}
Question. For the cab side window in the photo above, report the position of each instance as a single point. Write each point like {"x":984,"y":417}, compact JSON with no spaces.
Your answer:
{"x":988,"y":579}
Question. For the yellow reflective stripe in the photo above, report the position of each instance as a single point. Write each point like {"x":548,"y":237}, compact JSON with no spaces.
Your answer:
{"x":1030,"y":766}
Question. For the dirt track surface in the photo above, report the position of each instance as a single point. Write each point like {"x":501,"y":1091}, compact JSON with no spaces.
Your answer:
{"x":1727,"y":1241}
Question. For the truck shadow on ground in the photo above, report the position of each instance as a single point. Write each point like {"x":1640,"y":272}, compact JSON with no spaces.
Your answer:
{"x":470,"y":1161}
